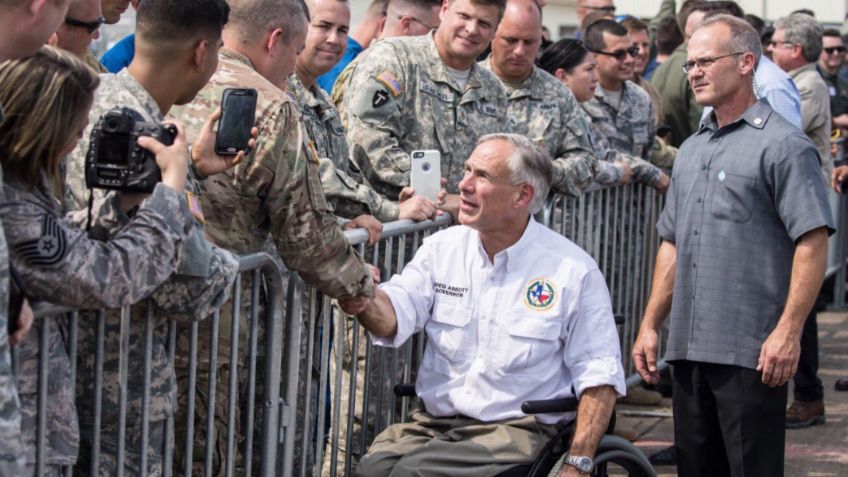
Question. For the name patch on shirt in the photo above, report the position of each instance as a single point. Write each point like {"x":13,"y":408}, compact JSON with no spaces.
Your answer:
{"x":488,"y":110}
{"x":540,"y":294}
{"x":449,"y":290}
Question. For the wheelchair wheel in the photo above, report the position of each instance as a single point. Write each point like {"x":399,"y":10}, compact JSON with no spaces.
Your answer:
{"x":618,"y":456}
{"x":615,"y":456}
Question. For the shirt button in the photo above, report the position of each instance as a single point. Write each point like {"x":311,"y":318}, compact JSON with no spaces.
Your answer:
{"x":704,"y":167}
{"x":696,"y":233}
{"x":698,"y":200}
{"x":694,"y":265}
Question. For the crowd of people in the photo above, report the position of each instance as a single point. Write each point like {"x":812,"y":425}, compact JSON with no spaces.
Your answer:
{"x":740,"y":123}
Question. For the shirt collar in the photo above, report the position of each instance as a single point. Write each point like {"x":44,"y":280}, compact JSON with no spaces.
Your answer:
{"x":138,"y":92}
{"x":515,"y":252}
{"x":235,"y":56}
{"x":798,"y":71}
{"x":439,"y":70}
{"x":532,"y":86}
{"x":756,"y":116}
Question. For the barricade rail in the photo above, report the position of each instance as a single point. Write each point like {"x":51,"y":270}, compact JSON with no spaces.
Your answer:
{"x":309,"y":376}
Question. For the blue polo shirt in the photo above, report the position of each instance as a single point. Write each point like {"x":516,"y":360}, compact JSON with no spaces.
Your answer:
{"x":328,"y":79}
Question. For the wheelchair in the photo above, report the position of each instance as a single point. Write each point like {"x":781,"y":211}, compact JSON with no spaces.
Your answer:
{"x":615,"y":456}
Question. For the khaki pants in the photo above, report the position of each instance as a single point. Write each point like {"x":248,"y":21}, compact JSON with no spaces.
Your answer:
{"x":454,"y":447}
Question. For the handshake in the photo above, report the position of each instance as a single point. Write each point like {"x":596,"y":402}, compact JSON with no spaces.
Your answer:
{"x":357,"y":304}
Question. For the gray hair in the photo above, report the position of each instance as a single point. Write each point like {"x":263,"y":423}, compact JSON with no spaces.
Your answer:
{"x":803,"y":30}
{"x":254,"y":18}
{"x":529,"y":163}
{"x":742,"y":38}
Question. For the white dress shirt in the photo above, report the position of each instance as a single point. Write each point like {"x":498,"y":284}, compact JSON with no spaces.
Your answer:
{"x":529,"y":325}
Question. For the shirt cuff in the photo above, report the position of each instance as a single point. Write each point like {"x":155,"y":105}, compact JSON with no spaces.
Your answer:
{"x":403,"y":308}
{"x":600,"y":371}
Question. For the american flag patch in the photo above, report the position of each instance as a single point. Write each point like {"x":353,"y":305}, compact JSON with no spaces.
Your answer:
{"x":194,"y":207}
{"x":391,"y":82}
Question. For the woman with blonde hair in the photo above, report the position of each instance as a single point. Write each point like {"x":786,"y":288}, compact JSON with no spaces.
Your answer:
{"x":46,"y":99}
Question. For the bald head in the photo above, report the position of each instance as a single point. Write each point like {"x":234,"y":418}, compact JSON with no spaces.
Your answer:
{"x":517,"y":40}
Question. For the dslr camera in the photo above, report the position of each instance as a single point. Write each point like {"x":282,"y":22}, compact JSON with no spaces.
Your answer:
{"x":115,"y":161}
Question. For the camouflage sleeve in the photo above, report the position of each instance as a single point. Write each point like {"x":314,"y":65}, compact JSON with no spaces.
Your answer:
{"x":376,"y":119}
{"x":61,"y":264}
{"x":608,"y":174}
{"x":106,"y":213}
{"x":351,"y":198}
{"x":662,"y":155}
{"x":340,"y":88}
{"x":643,"y":171}
{"x":303,"y":226}
{"x":188,"y":298}
{"x":575,"y":164}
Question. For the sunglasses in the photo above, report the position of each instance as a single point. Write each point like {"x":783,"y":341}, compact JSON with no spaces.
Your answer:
{"x":90,"y":27}
{"x":618,"y":54}
{"x":834,"y":50}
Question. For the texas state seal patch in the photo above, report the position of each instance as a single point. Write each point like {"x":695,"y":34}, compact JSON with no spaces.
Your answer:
{"x":540,"y":294}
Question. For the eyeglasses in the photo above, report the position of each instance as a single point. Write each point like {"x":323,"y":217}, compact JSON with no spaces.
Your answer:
{"x":608,"y":8}
{"x":619,"y":55}
{"x":91,"y":27}
{"x":428,"y":27}
{"x":774,"y":43}
{"x":705,"y":63}
{"x":832,"y":50}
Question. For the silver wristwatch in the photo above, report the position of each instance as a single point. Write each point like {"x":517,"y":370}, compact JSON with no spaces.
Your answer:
{"x":580,"y":462}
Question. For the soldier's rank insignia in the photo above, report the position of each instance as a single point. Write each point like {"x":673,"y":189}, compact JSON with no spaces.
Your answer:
{"x":540,"y":294}
{"x":380,"y":98}
{"x":49,"y":249}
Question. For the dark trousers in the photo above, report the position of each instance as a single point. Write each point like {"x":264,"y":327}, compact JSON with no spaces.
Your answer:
{"x":727,"y":422}
{"x":808,"y":386}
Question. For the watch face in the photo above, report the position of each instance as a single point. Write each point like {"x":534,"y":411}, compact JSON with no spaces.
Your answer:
{"x":582,"y":463}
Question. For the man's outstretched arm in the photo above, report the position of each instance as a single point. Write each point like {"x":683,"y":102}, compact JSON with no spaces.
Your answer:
{"x":593,"y":415}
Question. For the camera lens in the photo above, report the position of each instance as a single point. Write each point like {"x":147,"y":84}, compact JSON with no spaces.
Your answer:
{"x":418,"y":155}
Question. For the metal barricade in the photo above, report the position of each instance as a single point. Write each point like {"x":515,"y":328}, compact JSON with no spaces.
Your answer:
{"x":265,"y":316}
{"x":326,"y":391}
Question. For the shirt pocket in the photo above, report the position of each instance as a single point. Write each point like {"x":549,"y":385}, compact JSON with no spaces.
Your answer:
{"x":448,"y":333}
{"x":733,"y":197}
{"x":526,"y":342}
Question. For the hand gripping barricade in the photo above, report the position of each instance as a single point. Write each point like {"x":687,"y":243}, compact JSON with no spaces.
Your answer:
{"x":324,"y":391}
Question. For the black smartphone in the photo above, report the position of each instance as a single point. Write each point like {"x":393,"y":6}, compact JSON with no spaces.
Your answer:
{"x":238,"y":108}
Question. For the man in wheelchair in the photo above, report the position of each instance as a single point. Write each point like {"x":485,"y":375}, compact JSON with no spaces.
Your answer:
{"x":513,"y":312}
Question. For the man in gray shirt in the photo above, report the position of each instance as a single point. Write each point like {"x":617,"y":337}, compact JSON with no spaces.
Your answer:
{"x":743,"y":255}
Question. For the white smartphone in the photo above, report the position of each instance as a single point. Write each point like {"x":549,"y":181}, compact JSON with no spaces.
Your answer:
{"x":426,"y":173}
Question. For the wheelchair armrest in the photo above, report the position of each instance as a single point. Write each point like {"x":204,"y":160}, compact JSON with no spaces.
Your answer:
{"x":549,"y":406}
{"x":405,"y":389}
{"x":619,"y":319}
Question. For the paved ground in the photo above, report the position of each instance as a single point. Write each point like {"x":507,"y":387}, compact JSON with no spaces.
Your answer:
{"x":817,"y":451}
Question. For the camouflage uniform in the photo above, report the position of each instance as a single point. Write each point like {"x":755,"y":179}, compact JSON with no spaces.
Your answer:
{"x":274,"y":193}
{"x":205,"y":273}
{"x":94,"y":63}
{"x":545,"y":111}
{"x":340,"y":87}
{"x":626,"y":133}
{"x":342,"y":184}
{"x":406,"y":100}
{"x":11,"y":446}
{"x":58,"y":262}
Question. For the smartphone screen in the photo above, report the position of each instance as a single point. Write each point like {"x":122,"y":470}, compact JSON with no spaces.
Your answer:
{"x":239,"y":109}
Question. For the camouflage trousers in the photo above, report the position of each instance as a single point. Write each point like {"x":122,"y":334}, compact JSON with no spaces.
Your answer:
{"x":223,"y":369}
{"x":108,"y":456}
{"x":351,"y":408}
{"x":49,"y":471}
